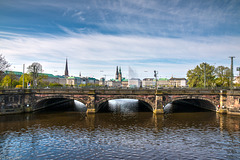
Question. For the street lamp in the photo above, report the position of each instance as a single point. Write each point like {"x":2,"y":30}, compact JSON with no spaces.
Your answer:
{"x":23,"y":75}
{"x":204,"y":74}
{"x":231,"y":83}
{"x":155,"y":75}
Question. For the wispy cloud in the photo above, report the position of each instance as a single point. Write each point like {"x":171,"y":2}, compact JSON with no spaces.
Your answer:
{"x":93,"y":52}
{"x":168,"y":35}
{"x":174,"y":18}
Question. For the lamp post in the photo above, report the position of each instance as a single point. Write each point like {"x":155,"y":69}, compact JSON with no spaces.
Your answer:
{"x":231,"y":83}
{"x":204,"y":74}
{"x":155,"y":75}
{"x":23,"y":75}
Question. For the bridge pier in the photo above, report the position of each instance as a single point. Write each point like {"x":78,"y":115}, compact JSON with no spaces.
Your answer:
{"x":158,"y":108}
{"x":223,"y":102}
{"x":91,"y":103}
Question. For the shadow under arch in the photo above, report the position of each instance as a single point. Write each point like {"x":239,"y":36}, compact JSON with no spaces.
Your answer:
{"x":189,"y":105}
{"x":54,"y":104}
{"x":60,"y":103}
{"x":124,"y":105}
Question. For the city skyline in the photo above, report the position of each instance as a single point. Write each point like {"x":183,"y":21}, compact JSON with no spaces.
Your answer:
{"x":96,"y":36}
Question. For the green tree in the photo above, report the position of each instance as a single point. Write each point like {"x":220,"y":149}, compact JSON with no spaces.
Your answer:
{"x":55,"y":85}
{"x":6,"y":81}
{"x":10,"y":80}
{"x":196,"y":76}
{"x":223,"y":76}
{"x":42,"y":80}
{"x":27,"y":78}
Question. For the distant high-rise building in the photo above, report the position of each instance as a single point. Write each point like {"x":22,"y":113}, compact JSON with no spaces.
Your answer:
{"x":66,"y":69}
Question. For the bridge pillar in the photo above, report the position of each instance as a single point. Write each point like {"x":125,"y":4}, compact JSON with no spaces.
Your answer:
{"x":158,"y":108}
{"x":223,"y":102}
{"x":91,"y":102}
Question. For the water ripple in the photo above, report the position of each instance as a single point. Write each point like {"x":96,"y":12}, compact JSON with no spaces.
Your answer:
{"x":112,"y":136}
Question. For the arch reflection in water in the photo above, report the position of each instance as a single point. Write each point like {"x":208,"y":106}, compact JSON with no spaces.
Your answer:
{"x":124,"y":106}
{"x":189,"y":105}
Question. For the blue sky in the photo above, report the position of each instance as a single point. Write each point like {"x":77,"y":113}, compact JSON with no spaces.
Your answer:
{"x":170,"y":36}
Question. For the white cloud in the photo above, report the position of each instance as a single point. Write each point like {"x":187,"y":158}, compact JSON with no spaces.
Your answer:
{"x":91,"y":53}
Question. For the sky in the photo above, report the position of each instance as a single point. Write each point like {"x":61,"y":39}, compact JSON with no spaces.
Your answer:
{"x":169,"y":36}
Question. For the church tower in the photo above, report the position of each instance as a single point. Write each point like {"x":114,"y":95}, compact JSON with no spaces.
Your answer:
{"x":116,"y":76}
{"x":120,"y":75}
{"x":66,"y":69}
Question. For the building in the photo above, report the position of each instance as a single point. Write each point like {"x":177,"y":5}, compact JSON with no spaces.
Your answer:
{"x":134,"y":83}
{"x":177,"y":82}
{"x":237,"y":80}
{"x":148,"y":83}
{"x":114,"y":83}
{"x":163,"y":82}
{"x":49,"y":78}
{"x":62,"y":80}
{"x":17,"y":74}
{"x":73,"y":81}
{"x":66,"y":69}
{"x":118,"y":75}
{"x":102,"y":82}
{"x":91,"y":80}
{"x":124,"y":83}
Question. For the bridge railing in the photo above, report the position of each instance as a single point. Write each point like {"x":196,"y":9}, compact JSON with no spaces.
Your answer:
{"x":86,"y":90}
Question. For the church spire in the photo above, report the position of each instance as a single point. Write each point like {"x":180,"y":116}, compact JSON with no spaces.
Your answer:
{"x":120,"y":74}
{"x":116,"y":76}
{"x":66,"y":69}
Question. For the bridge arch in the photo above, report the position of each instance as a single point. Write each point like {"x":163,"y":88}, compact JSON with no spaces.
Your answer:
{"x":191,"y":104}
{"x":214,"y":100}
{"x":145,"y":101}
{"x":44,"y":102}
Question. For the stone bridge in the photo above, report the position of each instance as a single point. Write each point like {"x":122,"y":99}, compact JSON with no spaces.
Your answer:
{"x":28,"y":100}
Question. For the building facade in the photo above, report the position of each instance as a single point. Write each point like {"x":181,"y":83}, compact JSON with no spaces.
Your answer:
{"x":163,"y":82}
{"x":177,"y":82}
{"x":134,"y":83}
{"x":114,"y":83}
{"x":148,"y":83}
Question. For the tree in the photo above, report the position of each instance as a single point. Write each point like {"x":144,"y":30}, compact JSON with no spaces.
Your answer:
{"x":3,"y":66}
{"x":35,"y":69}
{"x":10,"y":80}
{"x":6,"y":81}
{"x":223,"y":75}
{"x":196,"y":76}
{"x":27,"y":78}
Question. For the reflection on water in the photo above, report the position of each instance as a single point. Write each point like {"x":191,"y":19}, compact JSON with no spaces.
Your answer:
{"x":74,"y":135}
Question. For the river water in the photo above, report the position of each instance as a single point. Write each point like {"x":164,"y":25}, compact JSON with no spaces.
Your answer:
{"x":135,"y":135}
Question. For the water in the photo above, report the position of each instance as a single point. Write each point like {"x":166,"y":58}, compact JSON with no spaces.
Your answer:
{"x":74,"y":135}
